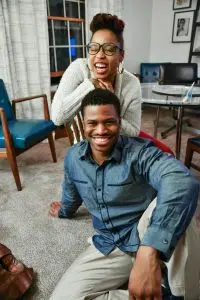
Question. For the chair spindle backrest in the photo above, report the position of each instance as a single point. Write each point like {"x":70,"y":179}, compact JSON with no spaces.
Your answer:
{"x":75,"y":131}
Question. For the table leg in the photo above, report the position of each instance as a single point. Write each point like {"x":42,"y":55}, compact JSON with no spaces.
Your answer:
{"x":179,"y":131}
{"x":156,"y":122}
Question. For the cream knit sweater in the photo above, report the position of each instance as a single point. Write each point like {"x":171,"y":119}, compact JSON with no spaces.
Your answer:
{"x":75,"y":84}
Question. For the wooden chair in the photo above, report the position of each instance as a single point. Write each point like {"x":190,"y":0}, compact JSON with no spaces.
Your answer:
{"x":193,"y":145}
{"x":19,"y":135}
{"x":76,"y":132}
{"x":157,"y":142}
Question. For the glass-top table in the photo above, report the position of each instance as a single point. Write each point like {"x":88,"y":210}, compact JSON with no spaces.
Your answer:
{"x":171,"y":96}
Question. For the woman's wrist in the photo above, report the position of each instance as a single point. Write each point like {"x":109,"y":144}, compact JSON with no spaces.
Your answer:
{"x":98,"y":83}
{"x":95,"y":82}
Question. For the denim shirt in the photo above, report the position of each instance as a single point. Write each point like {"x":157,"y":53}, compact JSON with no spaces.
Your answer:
{"x":117,"y":193}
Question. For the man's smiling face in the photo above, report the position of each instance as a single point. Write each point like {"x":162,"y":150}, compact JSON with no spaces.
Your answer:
{"x":101,"y":127}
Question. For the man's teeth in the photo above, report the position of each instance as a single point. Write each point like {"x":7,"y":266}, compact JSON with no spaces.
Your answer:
{"x":101,"y":139}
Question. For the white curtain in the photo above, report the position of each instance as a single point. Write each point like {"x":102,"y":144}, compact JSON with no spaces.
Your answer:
{"x":93,"y":7}
{"x":24,"y":52}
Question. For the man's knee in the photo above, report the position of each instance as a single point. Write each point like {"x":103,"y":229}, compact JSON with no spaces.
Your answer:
{"x":91,"y":273}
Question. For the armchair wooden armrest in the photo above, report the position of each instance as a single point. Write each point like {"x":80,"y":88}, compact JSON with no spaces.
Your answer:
{"x":4,"y":124}
{"x":6,"y":133}
{"x":44,"y":96}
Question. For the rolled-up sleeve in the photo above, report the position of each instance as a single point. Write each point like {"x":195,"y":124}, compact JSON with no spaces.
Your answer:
{"x":177,"y":196}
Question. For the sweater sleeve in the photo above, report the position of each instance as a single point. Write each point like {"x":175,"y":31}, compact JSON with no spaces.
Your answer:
{"x":131,"y":115}
{"x":73,"y":87}
{"x":131,"y":121}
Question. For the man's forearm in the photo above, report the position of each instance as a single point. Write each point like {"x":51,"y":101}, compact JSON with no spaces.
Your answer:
{"x":145,"y":278}
{"x":177,"y":195}
{"x":68,"y":211}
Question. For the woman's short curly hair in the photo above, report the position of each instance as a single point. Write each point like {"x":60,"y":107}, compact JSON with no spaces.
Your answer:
{"x":111,"y":22}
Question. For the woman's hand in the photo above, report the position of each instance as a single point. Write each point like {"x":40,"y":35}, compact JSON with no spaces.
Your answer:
{"x":107,"y":85}
{"x":96,"y":83}
{"x":99,"y":83}
{"x":145,"y":278}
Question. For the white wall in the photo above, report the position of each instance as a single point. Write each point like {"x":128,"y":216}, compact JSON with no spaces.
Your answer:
{"x":137,"y":15}
{"x":161,"y":47}
{"x":148,"y":33}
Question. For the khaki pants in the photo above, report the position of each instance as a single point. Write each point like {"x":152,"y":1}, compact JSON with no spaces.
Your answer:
{"x":95,"y":276}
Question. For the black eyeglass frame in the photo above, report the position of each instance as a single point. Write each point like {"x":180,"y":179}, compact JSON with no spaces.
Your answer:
{"x":116,"y":46}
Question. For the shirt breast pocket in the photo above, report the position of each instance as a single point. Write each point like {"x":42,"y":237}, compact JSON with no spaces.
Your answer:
{"x":81,"y":186}
{"x":85,"y":191}
{"x":124,"y":192}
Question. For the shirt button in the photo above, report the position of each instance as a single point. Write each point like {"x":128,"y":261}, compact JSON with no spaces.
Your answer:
{"x":99,"y":189}
{"x":165,"y":241}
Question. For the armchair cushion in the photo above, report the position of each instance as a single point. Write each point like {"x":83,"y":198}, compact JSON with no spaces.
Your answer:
{"x":25,"y":133}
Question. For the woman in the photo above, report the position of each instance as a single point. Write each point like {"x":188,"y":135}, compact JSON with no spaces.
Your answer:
{"x":102,"y":69}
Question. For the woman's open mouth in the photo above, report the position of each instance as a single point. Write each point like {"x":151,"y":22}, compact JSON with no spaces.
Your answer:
{"x":101,"y":68}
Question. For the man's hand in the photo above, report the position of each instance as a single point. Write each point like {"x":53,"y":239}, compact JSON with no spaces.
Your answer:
{"x":54,"y":208}
{"x":145,"y":278}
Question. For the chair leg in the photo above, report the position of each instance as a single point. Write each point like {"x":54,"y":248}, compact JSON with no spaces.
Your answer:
{"x":188,"y":156}
{"x":164,"y":133}
{"x":52,"y":147}
{"x":156,"y":122}
{"x":13,"y":164}
{"x":174,"y":117}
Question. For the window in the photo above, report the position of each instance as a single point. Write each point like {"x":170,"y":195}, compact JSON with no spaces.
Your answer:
{"x":66,"y":25}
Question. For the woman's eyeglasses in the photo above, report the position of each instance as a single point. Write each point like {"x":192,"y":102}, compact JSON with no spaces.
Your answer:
{"x":108,"y":48}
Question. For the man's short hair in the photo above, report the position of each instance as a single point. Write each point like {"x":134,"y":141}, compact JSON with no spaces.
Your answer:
{"x":100,"y":97}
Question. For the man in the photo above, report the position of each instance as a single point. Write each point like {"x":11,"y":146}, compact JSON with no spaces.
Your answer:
{"x":118,"y":178}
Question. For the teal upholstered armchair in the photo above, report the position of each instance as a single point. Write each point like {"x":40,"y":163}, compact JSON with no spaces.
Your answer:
{"x":19,"y":135}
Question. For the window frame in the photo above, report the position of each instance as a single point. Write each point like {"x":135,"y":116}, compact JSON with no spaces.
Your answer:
{"x":52,"y":19}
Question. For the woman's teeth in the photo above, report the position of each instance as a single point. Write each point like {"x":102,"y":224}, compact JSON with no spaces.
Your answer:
{"x":100,"y":66}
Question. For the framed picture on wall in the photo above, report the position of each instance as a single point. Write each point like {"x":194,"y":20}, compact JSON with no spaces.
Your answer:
{"x":180,"y":4}
{"x":182,"y":27}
